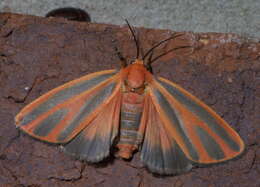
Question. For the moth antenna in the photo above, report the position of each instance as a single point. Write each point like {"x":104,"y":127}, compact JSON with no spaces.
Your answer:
{"x":136,"y":41}
{"x":148,"y":65}
{"x":158,"y":44}
{"x":165,"y":53}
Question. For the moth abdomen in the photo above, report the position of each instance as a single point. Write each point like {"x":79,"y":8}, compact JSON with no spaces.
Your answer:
{"x":130,"y":117}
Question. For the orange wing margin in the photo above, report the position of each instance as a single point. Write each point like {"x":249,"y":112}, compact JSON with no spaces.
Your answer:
{"x":200,"y":133}
{"x":60,"y":114}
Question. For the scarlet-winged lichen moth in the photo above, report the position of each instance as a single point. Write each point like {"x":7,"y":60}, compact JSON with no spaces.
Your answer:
{"x":131,"y":109}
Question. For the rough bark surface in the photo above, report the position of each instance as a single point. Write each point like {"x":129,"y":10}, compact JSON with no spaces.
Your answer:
{"x":38,"y":54}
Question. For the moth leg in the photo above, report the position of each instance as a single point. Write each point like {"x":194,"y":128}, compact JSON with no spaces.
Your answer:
{"x":122,"y":59}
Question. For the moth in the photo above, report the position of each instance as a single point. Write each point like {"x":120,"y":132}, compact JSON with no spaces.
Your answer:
{"x":131,"y":110}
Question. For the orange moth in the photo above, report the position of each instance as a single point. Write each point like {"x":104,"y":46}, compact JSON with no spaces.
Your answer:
{"x":131,"y":110}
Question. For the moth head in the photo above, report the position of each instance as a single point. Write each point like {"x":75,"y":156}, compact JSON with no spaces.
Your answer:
{"x":136,"y":76}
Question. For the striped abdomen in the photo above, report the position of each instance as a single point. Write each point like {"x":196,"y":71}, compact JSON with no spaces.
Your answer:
{"x":131,"y":112}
